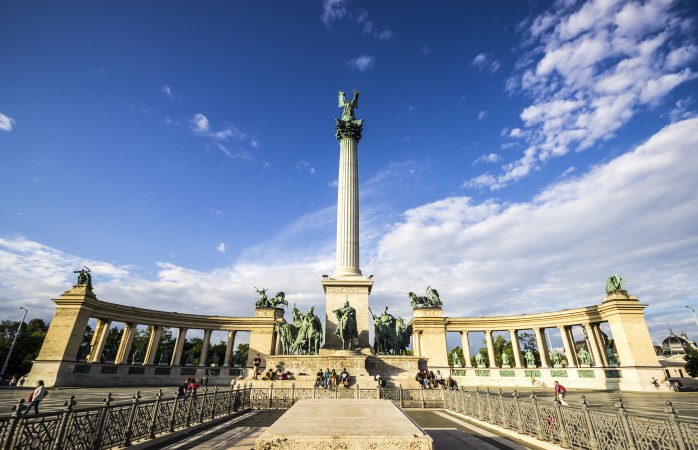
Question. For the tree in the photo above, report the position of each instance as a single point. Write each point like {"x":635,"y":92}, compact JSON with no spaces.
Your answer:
{"x":528,"y":342}
{"x":27,"y":347}
{"x":166,"y":345}
{"x":692,"y":363}
{"x":501,"y":345}
{"x":111,"y":345}
{"x":242,"y":353}
{"x":218,"y":350}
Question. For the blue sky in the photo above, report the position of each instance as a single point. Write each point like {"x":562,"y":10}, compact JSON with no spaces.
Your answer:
{"x":514,"y":154}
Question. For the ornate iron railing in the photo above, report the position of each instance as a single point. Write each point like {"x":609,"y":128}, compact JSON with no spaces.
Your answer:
{"x":578,"y":426}
{"x":116,"y":424}
{"x":120,"y":424}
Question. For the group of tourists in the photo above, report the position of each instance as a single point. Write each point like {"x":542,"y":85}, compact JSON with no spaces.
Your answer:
{"x":331,"y":379}
{"x":671,"y":384}
{"x":280,"y":374}
{"x":431,"y":380}
{"x":190,"y":385}
{"x":15,"y":382}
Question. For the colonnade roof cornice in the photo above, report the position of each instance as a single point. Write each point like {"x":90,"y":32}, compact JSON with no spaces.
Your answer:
{"x":132,"y":314}
{"x":554,"y":319}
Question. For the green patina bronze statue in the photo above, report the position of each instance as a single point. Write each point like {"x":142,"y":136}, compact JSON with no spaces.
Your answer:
{"x":480,"y":359}
{"x":349,"y":126}
{"x":84,"y":277}
{"x":266,"y":302}
{"x":584,"y":357}
{"x":431,"y":300}
{"x":346,"y":327}
{"x":614,"y":283}
{"x":530,"y":358}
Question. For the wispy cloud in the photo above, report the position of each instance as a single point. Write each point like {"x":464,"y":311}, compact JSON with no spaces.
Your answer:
{"x":592,"y":68}
{"x":167,"y":91}
{"x":336,"y":10}
{"x":220,"y":248}
{"x":333,"y":11}
{"x":481,"y":115}
{"x":218,"y":212}
{"x":362,"y":63}
{"x":221,"y":138}
{"x":488,"y":158}
{"x":486,"y":62}
{"x":305,"y":166}
{"x":6,"y":122}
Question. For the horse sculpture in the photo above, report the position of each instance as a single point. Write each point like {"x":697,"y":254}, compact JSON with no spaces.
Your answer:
{"x":346,"y":328}
{"x":274,"y":302}
{"x":309,"y":335}
{"x":403,"y":332}
{"x":431,"y":300}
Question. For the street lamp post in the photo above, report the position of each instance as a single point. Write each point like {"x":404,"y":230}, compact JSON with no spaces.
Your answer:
{"x":694,"y":314}
{"x":14,"y":341}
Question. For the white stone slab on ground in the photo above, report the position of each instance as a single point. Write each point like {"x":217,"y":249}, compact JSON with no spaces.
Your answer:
{"x":325,"y":424}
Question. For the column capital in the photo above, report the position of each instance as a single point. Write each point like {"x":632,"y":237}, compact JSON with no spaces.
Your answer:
{"x":349,"y":129}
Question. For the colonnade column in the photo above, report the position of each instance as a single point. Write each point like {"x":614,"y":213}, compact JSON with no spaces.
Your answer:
{"x":490,"y":349}
{"x":99,"y":338}
{"x":179,"y":346}
{"x":125,"y":344}
{"x":229,"y":348}
{"x":516,"y":348}
{"x":277,"y":343}
{"x":465,"y":344}
{"x":591,"y":339}
{"x":600,"y":343}
{"x":569,"y":350}
{"x":152,"y":345}
{"x":542,"y":348}
{"x":204,"y":348}
{"x":417,"y":350}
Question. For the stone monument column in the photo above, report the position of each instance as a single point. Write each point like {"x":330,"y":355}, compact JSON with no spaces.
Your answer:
{"x":125,"y":344}
{"x":516,"y":347}
{"x":229,"y":348}
{"x":542,"y":348}
{"x":569,"y":350}
{"x":204,"y":348}
{"x":347,"y":282}
{"x":465,"y":343}
{"x":179,"y":346}
{"x":490,"y":349}
{"x":99,"y":339}
{"x":153,"y":344}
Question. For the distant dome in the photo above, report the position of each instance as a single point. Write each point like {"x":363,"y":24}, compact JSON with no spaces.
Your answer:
{"x":677,"y":345}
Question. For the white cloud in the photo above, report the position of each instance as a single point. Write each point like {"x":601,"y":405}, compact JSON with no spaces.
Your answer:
{"x":485,"y":61}
{"x":221,"y":247}
{"x":592,"y":67}
{"x":634,"y":215}
{"x":362,"y":63}
{"x":200,"y":123}
{"x":167,"y":91}
{"x":6,"y":122}
{"x":218,"y":212}
{"x":488,"y":158}
{"x":333,"y":10}
{"x":305,"y":166}
{"x":481,"y":115}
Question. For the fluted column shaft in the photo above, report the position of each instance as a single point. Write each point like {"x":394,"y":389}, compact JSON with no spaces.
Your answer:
{"x":348,"y":209}
{"x":125,"y":344}
{"x":152,"y":345}
{"x":204,"y":348}
{"x":229,"y":348}
{"x":569,"y":348}
{"x":100,"y":338}
{"x":179,"y":346}
{"x":465,"y":343}
{"x":516,"y":348}
{"x":542,"y":348}
{"x":490,"y":349}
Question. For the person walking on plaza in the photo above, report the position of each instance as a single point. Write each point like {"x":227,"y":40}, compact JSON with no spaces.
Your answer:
{"x":13,"y":382}
{"x":36,"y":397}
{"x":257,"y":362}
{"x":22,"y":379}
{"x":560,"y":392}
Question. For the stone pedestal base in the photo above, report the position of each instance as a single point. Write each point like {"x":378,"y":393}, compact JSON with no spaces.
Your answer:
{"x":344,"y":424}
{"x":505,"y":366}
{"x":481,"y":366}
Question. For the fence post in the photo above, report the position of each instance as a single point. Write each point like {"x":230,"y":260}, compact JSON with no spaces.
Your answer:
{"x":213,"y":404}
{"x":271,"y":394}
{"x":156,"y":410}
{"x":131,"y":417}
{"x":593,"y":442}
{"x":564,"y":443}
{"x":489,"y":404}
{"x":293,"y":393}
{"x":626,"y":426}
{"x":202,"y":410}
{"x":63,"y":423}
{"x":402,"y":404}
{"x":539,"y":425}
{"x":463,"y":398}
{"x":480,"y":415}
{"x":505,"y":418}
{"x":358,"y":392}
{"x":424,"y":404}
{"x":674,"y":420}
{"x":230,"y":399}
{"x":16,"y":417}
{"x":190,"y":405}
{"x":173,"y":416}
{"x":517,"y":407}
{"x":99,"y":431}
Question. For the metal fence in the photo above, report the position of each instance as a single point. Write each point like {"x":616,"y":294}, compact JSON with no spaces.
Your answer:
{"x":116,"y":425}
{"x":576,"y":426}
